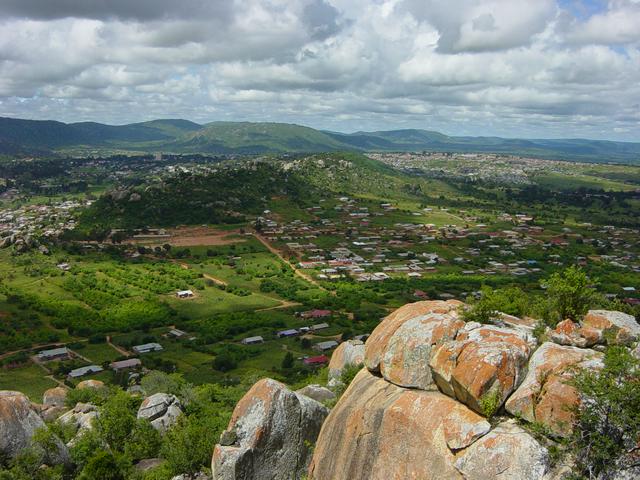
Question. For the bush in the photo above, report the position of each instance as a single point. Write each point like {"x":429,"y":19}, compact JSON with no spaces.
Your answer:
{"x":608,"y":421}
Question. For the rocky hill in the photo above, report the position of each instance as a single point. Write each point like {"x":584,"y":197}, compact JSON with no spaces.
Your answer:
{"x":436,"y":397}
{"x":439,"y":398}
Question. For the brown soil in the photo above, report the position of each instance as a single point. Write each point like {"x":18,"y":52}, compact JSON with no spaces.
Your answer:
{"x":195,"y":236}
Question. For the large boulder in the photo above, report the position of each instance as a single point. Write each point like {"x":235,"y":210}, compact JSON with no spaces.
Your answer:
{"x":545,"y":394}
{"x":53,"y":403}
{"x":270,"y":435}
{"x":483,"y":365}
{"x":19,"y":420}
{"x":405,"y":361}
{"x":96,"y":384}
{"x":379,"y":431}
{"x":54,"y":397}
{"x":506,"y":453}
{"x":378,"y":342}
{"x":349,"y":353}
{"x":620,"y":327}
{"x":317,"y":392}
{"x":161,"y":409}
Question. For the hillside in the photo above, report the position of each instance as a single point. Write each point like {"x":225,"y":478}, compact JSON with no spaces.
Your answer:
{"x":182,"y":136}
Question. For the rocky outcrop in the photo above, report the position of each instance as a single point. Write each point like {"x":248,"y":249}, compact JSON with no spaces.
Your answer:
{"x":380,"y":431}
{"x":161,"y":410}
{"x":19,"y":420}
{"x":349,"y":353}
{"x":481,"y":363}
{"x":269,"y":436}
{"x":617,"y":327}
{"x":507,"y":452}
{"x":545,"y":395}
{"x":378,"y":342}
{"x":82,"y":416}
{"x":317,"y":392}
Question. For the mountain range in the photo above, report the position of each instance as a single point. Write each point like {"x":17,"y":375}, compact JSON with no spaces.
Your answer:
{"x":23,"y":137}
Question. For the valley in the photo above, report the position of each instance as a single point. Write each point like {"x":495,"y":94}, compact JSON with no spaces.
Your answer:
{"x":258,"y":241}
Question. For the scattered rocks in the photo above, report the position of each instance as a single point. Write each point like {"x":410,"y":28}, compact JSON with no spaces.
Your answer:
{"x":485,"y":362}
{"x":346,"y":354}
{"x":569,"y":333}
{"x":380,"y":431}
{"x":81,"y":416}
{"x":317,"y":392}
{"x":620,"y":327}
{"x":507,"y":452}
{"x":274,"y":429}
{"x":161,"y":409}
{"x":545,"y":395}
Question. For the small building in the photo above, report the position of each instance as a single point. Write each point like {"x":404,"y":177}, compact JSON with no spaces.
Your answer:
{"x":82,"y":371}
{"x":184,"y":294}
{"x":147,"y":347}
{"x":174,"y":332}
{"x":253,"y":340}
{"x":125,"y":364}
{"x":316,"y":313}
{"x":319,"y":326}
{"x":316,"y":361}
{"x":54,"y":354}
{"x":324,"y":346}
{"x":287,"y":333}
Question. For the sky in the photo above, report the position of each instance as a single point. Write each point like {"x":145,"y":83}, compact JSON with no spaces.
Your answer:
{"x":513,"y":68}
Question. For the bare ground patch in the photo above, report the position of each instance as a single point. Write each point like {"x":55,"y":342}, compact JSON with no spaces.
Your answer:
{"x":197,"y":236}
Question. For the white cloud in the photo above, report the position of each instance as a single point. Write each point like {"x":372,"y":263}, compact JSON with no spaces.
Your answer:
{"x":495,"y":67}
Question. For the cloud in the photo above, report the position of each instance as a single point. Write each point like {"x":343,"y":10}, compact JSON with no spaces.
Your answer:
{"x":493,"y":67}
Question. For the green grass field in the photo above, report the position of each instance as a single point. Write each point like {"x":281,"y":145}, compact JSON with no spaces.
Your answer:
{"x":29,"y":380}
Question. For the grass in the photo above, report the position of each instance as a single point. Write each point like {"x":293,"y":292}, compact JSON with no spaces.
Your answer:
{"x":99,"y":352}
{"x":29,"y":380}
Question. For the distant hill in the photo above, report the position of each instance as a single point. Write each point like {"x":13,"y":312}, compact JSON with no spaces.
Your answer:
{"x":181,"y":136}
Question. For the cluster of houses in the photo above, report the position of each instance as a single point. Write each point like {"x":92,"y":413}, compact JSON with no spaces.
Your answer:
{"x":63,"y":353}
{"x":18,"y":225}
{"x":370,"y":251}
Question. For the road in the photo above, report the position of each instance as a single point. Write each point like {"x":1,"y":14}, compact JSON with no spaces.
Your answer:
{"x":277,"y":252}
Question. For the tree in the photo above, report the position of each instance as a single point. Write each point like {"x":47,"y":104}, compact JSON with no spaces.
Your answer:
{"x":606,"y":433}
{"x":102,"y":466}
{"x":570,"y":293}
{"x":287,"y":361}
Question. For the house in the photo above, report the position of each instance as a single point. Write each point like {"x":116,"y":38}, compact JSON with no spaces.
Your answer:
{"x":287,"y":333}
{"x":174,"y":332}
{"x":253,"y":340}
{"x":82,"y":371}
{"x":324,"y":346}
{"x":420,"y":294}
{"x":147,"y":347}
{"x":319,"y":326}
{"x":184,"y":294}
{"x":316,"y":313}
{"x":316,"y":361}
{"x":125,"y":364}
{"x":54,"y":354}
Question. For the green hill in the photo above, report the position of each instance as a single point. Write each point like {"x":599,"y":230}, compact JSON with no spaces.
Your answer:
{"x":182,"y":136}
{"x":246,"y":137}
